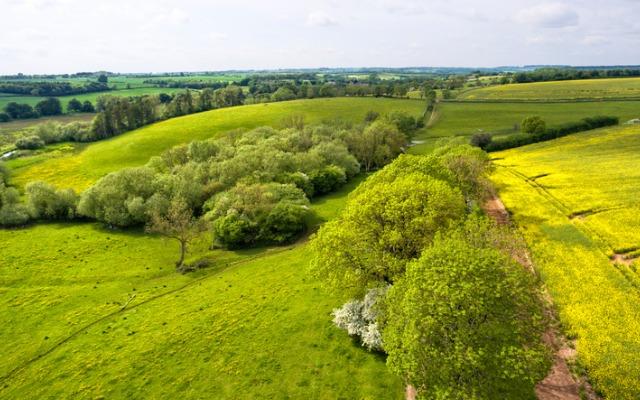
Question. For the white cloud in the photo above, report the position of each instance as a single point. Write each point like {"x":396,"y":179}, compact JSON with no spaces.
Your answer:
{"x":551,"y":15}
{"x":320,"y":18}
{"x":595,"y":40}
{"x":218,"y":36}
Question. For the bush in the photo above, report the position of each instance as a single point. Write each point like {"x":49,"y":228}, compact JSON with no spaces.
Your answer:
{"x":328,"y":179}
{"x":371,"y":116}
{"x":87,"y":107}
{"x":74,"y":106}
{"x":44,"y":201}
{"x":5,"y":173}
{"x":4,"y":117}
{"x":257,"y":213}
{"x":49,"y":106}
{"x":12,"y":213}
{"x":120,"y":198}
{"x":481,"y":140}
{"x":360,"y":318}
{"x":533,"y":125}
{"x":30,"y":143}
{"x":403,"y":121}
{"x":20,"y":111}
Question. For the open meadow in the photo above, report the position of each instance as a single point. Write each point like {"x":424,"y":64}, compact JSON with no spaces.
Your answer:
{"x":576,"y":201}
{"x":64,"y":292}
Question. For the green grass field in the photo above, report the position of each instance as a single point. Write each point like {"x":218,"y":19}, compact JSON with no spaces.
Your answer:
{"x":79,"y":168}
{"x":586,"y":89}
{"x":576,"y":201}
{"x":254,"y":325}
{"x":465,"y":119}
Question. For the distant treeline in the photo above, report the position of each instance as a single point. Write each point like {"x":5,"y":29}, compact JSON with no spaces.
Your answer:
{"x":563,"y":74}
{"x":51,"y":88}
{"x":523,"y":139}
{"x":47,"y":107}
{"x":169,"y":83}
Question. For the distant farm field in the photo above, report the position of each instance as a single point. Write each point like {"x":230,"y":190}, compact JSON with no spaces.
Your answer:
{"x":88,"y":163}
{"x":576,"y":200}
{"x":465,"y":119}
{"x":586,"y":89}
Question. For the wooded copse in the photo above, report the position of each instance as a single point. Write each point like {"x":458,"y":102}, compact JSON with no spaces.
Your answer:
{"x":252,"y":187}
{"x":443,"y":297}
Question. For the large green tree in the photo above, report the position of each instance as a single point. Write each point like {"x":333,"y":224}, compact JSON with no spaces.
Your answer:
{"x":465,"y":322}
{"x":383,"y":227}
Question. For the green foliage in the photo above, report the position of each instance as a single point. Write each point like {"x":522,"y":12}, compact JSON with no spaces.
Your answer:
{"x":49,"y":106}
{"x":4,"y":117}
{"x":120,"y":198}
{"x":30,"y":143}
{"x":377,"y":145}
{"x":533,"y":125}
{"x":465,"y":322}
{"x":585,"y":124}
{"x":5,"y":173}
{"x":481,"y":140}
{"x":283,"y":94}
{"x":12,"y":212}
{"x":327,"y":179}
{"x":45,"y":202}
{"x":405,"y":123}
{"x":258,"y":213}
{"x":383,"y":227}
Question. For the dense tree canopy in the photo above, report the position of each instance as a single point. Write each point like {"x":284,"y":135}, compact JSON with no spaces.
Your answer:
{"x":465,"y":321}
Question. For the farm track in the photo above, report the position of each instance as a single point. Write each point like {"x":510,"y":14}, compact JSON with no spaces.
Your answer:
{"x":126,"y":307}
{"x":559,"y":384}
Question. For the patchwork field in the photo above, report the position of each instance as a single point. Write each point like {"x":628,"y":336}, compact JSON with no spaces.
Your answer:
{"x":252,"y":326}
{"x":585,"y":89}
{"x":576,"y":200}
{"x":87,"y":163}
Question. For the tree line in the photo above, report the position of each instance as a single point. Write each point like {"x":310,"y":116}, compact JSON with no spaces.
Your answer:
{"x":534,"y":130}
{"x":47,"y":89}
{"x":47,"y":107}
{"x":434,"y":283}
{"x":562,"y":74}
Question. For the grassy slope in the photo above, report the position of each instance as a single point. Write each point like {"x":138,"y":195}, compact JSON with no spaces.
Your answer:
{"x":587,"y":89}
{"x":255,"y":329}
{"x":134,"y":148}
{"x":596,"y":300}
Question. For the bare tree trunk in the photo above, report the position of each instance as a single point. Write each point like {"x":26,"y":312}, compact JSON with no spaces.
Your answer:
{"x":183,"y":251}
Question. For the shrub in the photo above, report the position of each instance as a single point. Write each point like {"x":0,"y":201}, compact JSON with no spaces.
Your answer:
{"x":533,"y":125}
{"x":265,"y":213}
{"x":4,"y":117}
{"x":371,"y":116}
{"x":30,"y":143}
{"x":74,"y":106}
{"x":120,"y":198}
{"x":360,"y":318}
{"x":481,"y":140}
{"x":49,"y":106}
{"x":44,"y":201}
{"x":403,"y":121}
{"x":328,"y":179}
{"x":5,"y":173}
{"x":20,"y":111}
{"x":12,"y":213}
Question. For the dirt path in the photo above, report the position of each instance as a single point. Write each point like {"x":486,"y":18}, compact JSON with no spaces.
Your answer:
{"x":559,"y":384}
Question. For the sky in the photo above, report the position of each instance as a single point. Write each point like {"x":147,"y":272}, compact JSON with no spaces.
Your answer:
{"x":65,"y":36}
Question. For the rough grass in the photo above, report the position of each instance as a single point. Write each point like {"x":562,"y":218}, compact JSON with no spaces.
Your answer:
{"x":597,"y":301}
{"x":254,"y":325}
{"x":81,"y":168}
{"x":586,"y":89}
